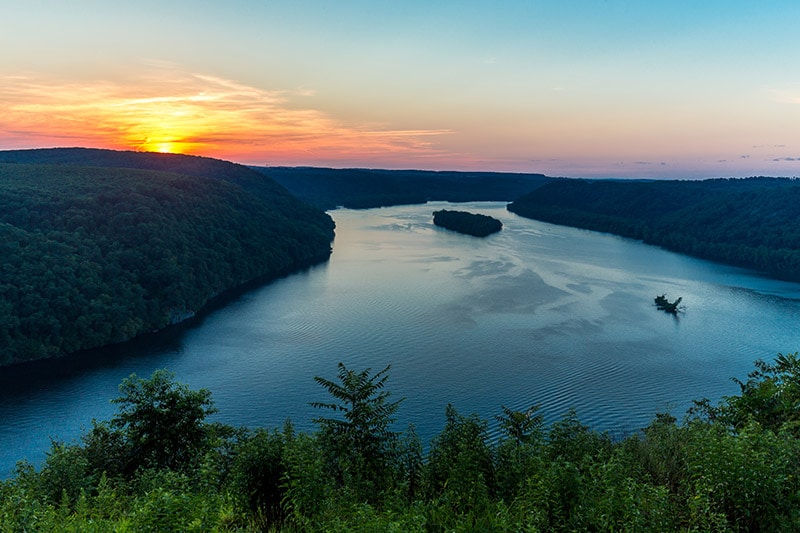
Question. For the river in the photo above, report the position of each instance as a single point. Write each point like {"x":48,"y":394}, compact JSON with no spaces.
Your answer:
{"x":535,"y":314}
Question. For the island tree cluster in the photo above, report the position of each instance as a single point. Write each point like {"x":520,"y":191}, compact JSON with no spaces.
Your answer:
{"x":663,"y":304}
{"x":474,"y":224}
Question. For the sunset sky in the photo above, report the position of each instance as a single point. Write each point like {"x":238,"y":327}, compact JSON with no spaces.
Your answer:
{"x":579,"y":88}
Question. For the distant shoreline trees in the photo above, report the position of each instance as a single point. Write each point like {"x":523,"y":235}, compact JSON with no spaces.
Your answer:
{"x":361,"y":188}
{"x":744,"y":222}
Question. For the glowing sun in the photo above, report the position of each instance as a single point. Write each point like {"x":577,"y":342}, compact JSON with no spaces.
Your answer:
{"x":165,"y":144}
{"x":165,"y":148}
{"x":172,"y":111}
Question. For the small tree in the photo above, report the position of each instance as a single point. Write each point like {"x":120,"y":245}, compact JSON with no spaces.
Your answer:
{"x":162,"y":421}
{"x":770,"y":397}
{"x":520,"y":454}
{"x":259,"y":475}
{"x":359,"y":445}
{"x":460,"y":468}
{"x":522,"y":426}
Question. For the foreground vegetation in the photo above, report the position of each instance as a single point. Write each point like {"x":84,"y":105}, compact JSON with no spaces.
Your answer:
{"x":159,"y":465}
{"x":746,"y":222}
{"x":101,"y":246}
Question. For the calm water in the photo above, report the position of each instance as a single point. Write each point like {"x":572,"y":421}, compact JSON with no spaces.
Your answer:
{"x":535,"y":314}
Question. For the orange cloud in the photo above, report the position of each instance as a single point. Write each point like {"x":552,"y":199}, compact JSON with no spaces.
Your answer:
{"x":172,"y":111}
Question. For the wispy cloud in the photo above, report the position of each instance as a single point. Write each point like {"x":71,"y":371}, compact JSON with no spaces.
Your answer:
{"x":165,"y":109}
{"x":662,"y":163}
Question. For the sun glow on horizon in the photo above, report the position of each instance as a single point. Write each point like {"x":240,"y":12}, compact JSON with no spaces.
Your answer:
{"x":163,"y":147}
{"x":166,"y":110}
{"x":169,"y":111}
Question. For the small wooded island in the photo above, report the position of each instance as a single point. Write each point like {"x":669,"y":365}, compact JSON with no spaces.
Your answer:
{"x":470,"y":223}
{"x":665,"y":305}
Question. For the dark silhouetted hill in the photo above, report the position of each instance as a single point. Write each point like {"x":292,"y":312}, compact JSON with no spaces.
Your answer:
{"x":329,"y":188}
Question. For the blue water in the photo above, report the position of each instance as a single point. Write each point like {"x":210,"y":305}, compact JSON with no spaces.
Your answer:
{"x":536,"y":314}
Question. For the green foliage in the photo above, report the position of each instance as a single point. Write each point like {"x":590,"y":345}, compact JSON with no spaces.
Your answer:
{"x":571,"y":441}
{"x":65,"y":475}
{"x":258,"y":476}
{"x":519,"y":455}
{"x":770,"y":397}
{"x":359,"y":445}
{"x":470,"y":223}
{"x":707,"y":474}
{"x":521,"y":426}
{"x":660,"y":453}
{"x":107,"y":450}
{"x":749,"y":478}
{"x":460,"y":470}
{"x":162,"y":421}
{"x":409,"y":464}
{"x":309,"y":486}
{"x":116,"y":244}
{"x":614,"y":499}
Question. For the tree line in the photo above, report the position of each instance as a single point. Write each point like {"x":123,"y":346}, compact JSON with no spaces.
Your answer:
{"x":745,"y":222}
{"x":356,"y":188}
{"x":159,"y":464}
{"x":94,"y":255}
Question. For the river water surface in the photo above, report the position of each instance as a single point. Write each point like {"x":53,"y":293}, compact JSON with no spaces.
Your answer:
{"x":536,"y":314}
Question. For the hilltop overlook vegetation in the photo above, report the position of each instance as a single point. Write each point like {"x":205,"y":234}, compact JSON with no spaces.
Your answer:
{"x":159,"y":465}
{"x":101,"y":246}
{"x":746,"y":222}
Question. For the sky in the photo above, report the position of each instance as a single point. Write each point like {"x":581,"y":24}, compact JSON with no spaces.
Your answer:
{"x":579,"y":88}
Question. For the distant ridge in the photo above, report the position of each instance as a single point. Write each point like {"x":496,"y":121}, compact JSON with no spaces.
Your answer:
{"x":190,"y":165}
{"x":358,"y":188}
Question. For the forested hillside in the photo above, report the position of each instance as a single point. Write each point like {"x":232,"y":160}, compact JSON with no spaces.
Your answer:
{"x":329,"y":188}
{"x":97,"y":251}
{"x":747,"y":222}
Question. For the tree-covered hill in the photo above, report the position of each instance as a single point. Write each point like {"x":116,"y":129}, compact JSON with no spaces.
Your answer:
{"x":749,"y":222}
{"x":328,"y":188}
{"x":94,"y":252}
{"x":201,"y":167}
